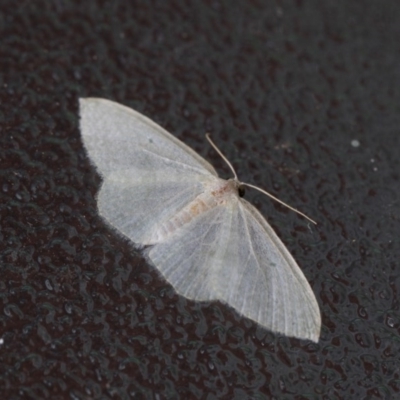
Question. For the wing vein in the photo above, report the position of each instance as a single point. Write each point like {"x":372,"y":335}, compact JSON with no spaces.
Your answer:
{"x":175,"y":162}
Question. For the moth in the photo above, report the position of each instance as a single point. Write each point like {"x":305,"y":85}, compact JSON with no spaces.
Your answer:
{"x":206,"y":240}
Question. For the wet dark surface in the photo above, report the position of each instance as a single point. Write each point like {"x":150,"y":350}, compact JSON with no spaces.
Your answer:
{"x":284,"y":88}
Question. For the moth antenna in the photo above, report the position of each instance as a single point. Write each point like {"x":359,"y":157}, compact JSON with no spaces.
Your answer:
{"x":252,"y":186}
{"x":220,"y":153}
{"x":279,"y":201}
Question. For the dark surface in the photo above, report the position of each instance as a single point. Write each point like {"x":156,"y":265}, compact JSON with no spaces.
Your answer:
{"x":284,"y":88}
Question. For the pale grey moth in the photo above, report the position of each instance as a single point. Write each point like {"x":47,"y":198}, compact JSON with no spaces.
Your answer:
{"x":205,"y":239}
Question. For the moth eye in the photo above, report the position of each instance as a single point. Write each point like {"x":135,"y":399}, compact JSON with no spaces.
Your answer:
{"x":241,"y":191}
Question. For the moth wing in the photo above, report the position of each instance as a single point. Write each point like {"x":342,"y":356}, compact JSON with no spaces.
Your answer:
{"x":138,"y":204}
{"x":188,"y":257}
{"x":119,"y":138}
{"x":148,"y":174}
{"x":231,"y":254}
{"x":274,"y":291}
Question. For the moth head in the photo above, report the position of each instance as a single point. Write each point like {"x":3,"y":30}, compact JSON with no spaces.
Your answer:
{"x":241,"y":190}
